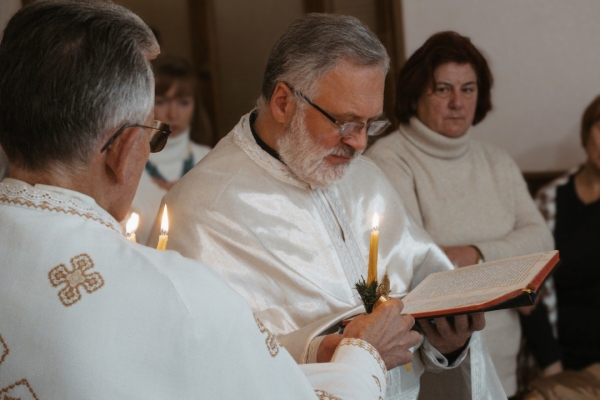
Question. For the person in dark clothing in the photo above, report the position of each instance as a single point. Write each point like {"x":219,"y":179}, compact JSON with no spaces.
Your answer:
{"x":575,"y":200}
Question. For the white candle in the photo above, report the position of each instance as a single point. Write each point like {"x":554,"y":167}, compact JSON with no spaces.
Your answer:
{"x":132,"y":225}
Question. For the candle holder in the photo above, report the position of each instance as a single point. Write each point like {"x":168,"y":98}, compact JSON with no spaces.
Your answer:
{"x":372,"y":293}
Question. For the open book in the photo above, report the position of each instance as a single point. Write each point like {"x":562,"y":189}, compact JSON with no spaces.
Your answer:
{"x":494,"y":285}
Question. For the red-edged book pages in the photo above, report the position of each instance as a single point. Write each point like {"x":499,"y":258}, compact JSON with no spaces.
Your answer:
{"x":507,"y":283}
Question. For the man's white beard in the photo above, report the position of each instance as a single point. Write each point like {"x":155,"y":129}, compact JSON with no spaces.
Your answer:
{"x":306,"y":158}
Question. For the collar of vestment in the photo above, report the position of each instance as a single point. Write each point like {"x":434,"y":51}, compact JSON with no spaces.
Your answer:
{"x":433,"y":143}
{"x":259,"y":141}
{"x":54,"y":199}
{"x":243,"y":138}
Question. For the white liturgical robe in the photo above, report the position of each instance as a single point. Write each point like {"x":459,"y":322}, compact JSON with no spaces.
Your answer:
{"x":86,"y":314}
{"x":295,"y":252}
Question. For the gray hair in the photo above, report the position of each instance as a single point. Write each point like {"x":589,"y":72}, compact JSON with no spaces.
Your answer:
{"x":313,"y":45}
{"x":71,"y":71}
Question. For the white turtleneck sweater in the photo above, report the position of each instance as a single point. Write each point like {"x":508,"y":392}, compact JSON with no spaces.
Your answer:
{"x":169,"y":162}
{"x":464,"y":192}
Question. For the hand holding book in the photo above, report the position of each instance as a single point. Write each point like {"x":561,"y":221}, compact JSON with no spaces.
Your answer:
{"x":449,"y":334}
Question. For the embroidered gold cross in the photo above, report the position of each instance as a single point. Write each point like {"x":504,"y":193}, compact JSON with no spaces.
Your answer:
{"x":79,"y":276}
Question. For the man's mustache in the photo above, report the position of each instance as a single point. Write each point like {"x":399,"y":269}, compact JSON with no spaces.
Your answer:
{"x":345,"y":151}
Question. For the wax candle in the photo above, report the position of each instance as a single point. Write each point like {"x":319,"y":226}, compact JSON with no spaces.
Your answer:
{"x":132,"y":225}
{"x":373,"y":249}
{"x":164,"y":231}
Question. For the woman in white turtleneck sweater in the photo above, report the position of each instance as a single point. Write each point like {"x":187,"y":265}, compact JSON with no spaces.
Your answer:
{"x":174,"y":104}
{"x":469,"y":196}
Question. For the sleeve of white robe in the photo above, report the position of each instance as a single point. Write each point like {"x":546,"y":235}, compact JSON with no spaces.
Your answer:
{"x":356,"y":371}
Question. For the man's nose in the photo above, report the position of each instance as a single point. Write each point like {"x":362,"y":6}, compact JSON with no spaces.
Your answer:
{"x":358,"y":141}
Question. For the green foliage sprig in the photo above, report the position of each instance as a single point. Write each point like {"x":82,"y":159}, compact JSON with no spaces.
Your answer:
{"x":367,"y":293}
{"x":370,"y":293}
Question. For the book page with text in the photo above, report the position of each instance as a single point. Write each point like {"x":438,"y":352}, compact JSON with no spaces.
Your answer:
{"x":475,"y":285}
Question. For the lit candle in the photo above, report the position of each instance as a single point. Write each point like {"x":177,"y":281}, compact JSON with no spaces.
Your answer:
{"x":372,"y":276}
{"x":164,"y":230}
{"x":132,"y":225}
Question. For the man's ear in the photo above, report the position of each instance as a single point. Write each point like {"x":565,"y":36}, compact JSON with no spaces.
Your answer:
{"x":120,"y":156}
{"x":282,"y":103}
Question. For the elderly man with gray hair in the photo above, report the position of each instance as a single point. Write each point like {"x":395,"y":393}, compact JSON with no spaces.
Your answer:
{"x":283,"y":205}
{"x":84,"y":312}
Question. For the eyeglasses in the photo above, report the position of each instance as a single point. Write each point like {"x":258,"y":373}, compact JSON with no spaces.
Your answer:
{"x":158,"y":138}
{"x":349,"y":129}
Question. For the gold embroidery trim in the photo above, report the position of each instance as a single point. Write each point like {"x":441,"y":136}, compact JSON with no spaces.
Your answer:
{"x":271,"y":341}
{"x":14,"y":385}
{"x":323,"y":395}
{"x":78,"y":276}
{"x":377,"y":382}
{"x":48,"y":207}
{"x":364,"y":345}
{"x":5,"y":351}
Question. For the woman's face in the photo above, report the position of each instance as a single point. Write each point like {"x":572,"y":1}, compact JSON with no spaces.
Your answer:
{"x":592,"y":147}
{"x":448,"y":107}
{"x":177,"y":111}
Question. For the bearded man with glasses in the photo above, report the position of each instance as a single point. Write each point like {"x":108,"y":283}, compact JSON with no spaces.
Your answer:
{"x":282,"y":207}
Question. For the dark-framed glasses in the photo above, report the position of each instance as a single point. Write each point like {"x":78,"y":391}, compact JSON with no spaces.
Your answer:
{"x":349,"y":129}
{"x":158,"y":137}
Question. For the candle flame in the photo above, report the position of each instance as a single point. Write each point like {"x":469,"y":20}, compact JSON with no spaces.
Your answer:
{"x":164,"y":226}
{"x":375,"y":221}
{"x":132,"y":223}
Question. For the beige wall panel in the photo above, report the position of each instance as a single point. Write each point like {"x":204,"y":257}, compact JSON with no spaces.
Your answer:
{"x":245,"y":33}
{"x":544,"y":55}
{"x":171,"y":19}
{"x":366,"y":11}
{"x":8,"y":8}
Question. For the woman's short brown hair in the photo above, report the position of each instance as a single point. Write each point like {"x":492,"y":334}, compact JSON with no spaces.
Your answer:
{"x":169,"y":71}
{"x":418,"y":73}
{"x":591,"y":115}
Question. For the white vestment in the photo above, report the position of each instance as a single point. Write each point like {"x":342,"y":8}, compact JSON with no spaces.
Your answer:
{"x":169,"y":162}
{"x":295,"y":253}
{"x":86,"y":314}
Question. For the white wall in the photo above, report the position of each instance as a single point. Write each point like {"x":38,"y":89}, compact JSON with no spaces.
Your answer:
{"x":545,"y":57}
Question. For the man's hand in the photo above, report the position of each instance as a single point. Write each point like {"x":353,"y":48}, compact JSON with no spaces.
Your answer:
{"x":461,"y":256}
{"x":328,"y":346}
{"x":388,"y":331}
{"x":447,"y":336}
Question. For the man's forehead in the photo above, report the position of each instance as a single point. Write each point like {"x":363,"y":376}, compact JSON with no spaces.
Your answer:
{"x":352,"y":91}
